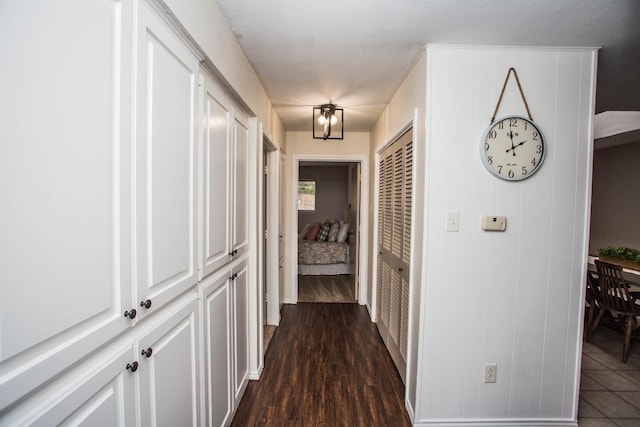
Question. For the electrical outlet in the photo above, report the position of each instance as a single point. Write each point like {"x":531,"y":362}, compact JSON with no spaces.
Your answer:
{"x":490,"y":372}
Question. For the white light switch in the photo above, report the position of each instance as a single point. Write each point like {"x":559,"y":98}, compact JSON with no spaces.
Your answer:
{"x":494,"y":223}
{"x":453,"y":221}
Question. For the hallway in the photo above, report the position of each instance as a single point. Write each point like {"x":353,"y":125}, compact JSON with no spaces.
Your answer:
{"x":326,"y":366}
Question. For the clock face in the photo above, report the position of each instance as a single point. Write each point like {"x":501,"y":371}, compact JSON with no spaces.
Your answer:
{"x":512,"y":148}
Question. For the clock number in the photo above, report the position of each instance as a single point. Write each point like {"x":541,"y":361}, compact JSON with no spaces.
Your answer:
{"x":533,"y":162}
{"x":500,"y":169}
{"x":535,"y":136}
{"x":486,"y":146}
{"x":524,"y":170}
{"x":526,"y":125}
{"x":511,"y":174}
{"x":538,"y":149}
{"x":492,"y":135}
{"x":513,"y":122}
{"x":490,"y":160}
{"x":501,"y":125}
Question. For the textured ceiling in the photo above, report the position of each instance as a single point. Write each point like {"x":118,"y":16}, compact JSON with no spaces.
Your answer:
{"x":357,"y":52}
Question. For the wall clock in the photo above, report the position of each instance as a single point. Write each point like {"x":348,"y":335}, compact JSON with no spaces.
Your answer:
{"x":512,"y":148}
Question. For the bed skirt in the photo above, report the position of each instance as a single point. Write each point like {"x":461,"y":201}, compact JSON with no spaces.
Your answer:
{"x":324,"y":269}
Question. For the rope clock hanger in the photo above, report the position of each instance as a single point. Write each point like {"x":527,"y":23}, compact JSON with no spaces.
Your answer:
{"x":512,"y":147}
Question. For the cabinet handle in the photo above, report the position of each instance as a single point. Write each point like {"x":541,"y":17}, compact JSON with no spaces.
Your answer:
{"x":145,"y":304}
{"x":131,"y":314}
{"x":235,"y":252}
{"x":133,"y":366}
{"x":147,"y":352}
{"x":400,"y":269}
{"x":233,"y":276}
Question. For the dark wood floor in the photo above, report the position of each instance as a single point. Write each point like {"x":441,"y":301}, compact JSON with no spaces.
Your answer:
{"x":326,"y":366}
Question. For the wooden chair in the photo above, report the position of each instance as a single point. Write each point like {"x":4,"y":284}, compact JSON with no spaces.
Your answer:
{"x":616,"y":298}
{"x":593,"y":301}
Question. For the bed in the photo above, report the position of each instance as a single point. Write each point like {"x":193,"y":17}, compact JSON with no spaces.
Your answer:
{"x":323,"y":258}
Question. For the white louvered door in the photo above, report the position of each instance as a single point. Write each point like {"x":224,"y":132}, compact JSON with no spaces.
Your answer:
{"x":395,"y":177}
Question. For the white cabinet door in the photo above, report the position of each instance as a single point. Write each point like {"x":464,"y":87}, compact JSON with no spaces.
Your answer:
{"x":169,"y":368}
{"x":165,"y":166}
{"x":97,"y":394}
{"x":64,"y":185}
{"x":241,"y":184}
{"x":216,"y":318}
{"x":216,"y":141}
{"x":240,"y":296}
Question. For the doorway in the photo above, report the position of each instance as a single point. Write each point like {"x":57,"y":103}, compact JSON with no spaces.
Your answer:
{"x":339,"y":202}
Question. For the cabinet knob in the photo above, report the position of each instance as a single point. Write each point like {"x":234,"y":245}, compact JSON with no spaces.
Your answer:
{"x":400,"y":269}
{"x":133,"y":366}
{"x":131,"y":314}
{"x":145,"y":304}
{"x":147,"y":352}
{"x":233,"y":276}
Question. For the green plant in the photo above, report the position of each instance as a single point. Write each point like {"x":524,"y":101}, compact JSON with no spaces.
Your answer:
{"x":619,"y":252}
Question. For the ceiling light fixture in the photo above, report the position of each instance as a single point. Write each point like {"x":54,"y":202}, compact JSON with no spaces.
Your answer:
{"x":328,"y":122}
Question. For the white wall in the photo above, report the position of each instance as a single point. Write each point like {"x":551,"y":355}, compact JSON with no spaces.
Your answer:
{"x":407,"y":105}
{"x":513,"y":298}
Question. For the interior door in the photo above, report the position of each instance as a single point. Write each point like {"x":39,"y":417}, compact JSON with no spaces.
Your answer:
{"x":394,"y":246}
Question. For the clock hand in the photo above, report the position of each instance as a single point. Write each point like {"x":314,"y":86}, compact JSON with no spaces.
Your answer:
{"x":516,"y":146}
{"x":511,"y":136}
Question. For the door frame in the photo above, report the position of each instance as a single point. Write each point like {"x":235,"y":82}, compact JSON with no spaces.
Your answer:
{"x":268,"y":259}
{"x":363,"y":214}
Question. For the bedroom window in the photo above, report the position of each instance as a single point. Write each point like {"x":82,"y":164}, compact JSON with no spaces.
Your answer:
{"x":306,"y":195}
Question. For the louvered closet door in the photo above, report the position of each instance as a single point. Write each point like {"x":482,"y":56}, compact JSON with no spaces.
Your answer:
{"x":395,"y":177}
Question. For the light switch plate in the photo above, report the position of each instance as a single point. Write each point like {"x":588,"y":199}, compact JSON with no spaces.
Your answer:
{"x":453,"y":221}
{"x":494,"y":223}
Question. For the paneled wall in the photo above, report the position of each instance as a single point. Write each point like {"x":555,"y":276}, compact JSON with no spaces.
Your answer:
{"x":514,"y":298}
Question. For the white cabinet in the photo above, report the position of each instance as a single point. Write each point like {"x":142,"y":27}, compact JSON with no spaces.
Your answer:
{"x":107,"y":228}
{"x":98,"y":392}
{"x":225,"y":151}
{"x":240,"y":298}
{"x":162,"y":356}
{"x":226,"y":355}
{"x":65,"y":184}
{"x":216,"y":316}
{"x":168,"y":367}
{"x":165,"y":169}
{"x":240,"y":233}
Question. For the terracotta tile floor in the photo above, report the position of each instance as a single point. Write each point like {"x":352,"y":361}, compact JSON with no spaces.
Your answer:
{"x":609,"y":389}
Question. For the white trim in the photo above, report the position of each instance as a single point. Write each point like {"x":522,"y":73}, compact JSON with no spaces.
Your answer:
{"x":364,"y":220}
{"x":271,"y":256}
{"x":497,"y":423}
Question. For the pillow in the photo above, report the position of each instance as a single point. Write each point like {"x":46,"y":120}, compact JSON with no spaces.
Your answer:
{"x":313,"y":232}
{"x":333,"y":232}
{"x":304,"y":231}
{"x":324,"y":232}
{"x":344,"y":230}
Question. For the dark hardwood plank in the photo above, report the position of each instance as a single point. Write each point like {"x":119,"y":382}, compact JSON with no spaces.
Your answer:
{"x":326,"y":366}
